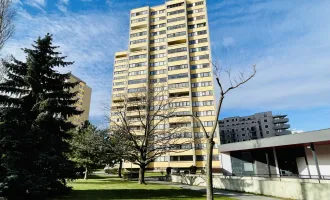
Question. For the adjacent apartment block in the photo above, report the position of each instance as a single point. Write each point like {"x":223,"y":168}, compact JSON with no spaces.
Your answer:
{"x":169,"y":45}
{"x":257,"y":126}
{"x":84,"y":93}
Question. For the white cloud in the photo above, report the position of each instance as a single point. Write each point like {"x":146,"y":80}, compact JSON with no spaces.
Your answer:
{"x":40,"y":4}
{"x":228,"y":41}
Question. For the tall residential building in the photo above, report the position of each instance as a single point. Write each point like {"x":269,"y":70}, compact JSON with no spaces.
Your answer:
{"x":259,"y":125}
{"x":170,"y":45}
{"x":84,"y":93}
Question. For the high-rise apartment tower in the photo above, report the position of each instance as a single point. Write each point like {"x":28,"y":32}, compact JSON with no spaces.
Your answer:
{"x":169,"y":45}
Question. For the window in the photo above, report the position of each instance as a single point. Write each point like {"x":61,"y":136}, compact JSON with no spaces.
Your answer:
{"x":138,"y":56}
{"x":137,"y":81}
{"x":200,"y":146}
{"x":158,"y":40}
{"x":265,"y":120}
{"x":139,"y":20}
{"x":181,"y":113}
{"x":198,"y":41}
{"x":157,"y":12}
{"x":120,"y":61}
{"x":202,"y":93}
{"x":162,"y":159}
{"x":197,"y":33}
{"x":243,"y":129}
{"x":142,"y":89}
{"x":203,"y":113}
{"x":179,"y":125}
{"x":200,"y":75}
{"x":137,"y":73}
{"x":120,"y":72}
{"x":266,"y":126}
{"x":161,"y":55}
{"x":119,"y":77}
{"x":196,"y":18}
{"x":199,"y":49}
{"x":157,"y":19}
{"x":175,"y":76}
{"x":159,"y":89}
{"x":118,"y":83}
{"x":176,"y":34}
{"x":201,"y":84}
{"x":158,"y":26}
{"x":195,"y":4}
{"x":175,"y":12}
{"x":157,"y":33}
{"x":174,"y":5}
{"x":139,"y":34}
{"x":205,"y":124}
{"x":163,"y":71}
{"x":139,"y":13}
{"x":176,"y":19}
{"x":181,"y":158}
{"x":120,"y":66}
{"x":158,"y":80}
{"x":202,"y":57}
{"x":177,"y":58}
{"x":138,"y":41}
{"x":180,"y":104}
{"x":200,"y":158}
{"x":118,"y":89}
{"x":157,"y":48}
{"x":160,"y":98}
{"x":195,"y":11}
{"x":200,"y":66}
{"x":137,"y":64}
{"x":182,"y":49}
{"x":177,"y":67}
{"x":176,"y":26}
{"x":156,"y":64}
{"x":196,"y":25}
{"x":202,"y":103}
{"x":267,"y":132}
{"x":178,"y":85}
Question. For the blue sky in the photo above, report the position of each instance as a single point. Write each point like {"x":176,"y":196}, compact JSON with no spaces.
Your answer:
{"x":288,"y":40}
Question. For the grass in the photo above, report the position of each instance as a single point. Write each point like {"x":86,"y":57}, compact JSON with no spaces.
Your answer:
{"x":106,"y":188}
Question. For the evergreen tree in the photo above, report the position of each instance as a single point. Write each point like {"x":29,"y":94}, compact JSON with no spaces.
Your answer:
{"x":35,"y":103}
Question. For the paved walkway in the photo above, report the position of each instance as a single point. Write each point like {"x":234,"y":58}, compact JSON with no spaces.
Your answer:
{"x":235,"y":195}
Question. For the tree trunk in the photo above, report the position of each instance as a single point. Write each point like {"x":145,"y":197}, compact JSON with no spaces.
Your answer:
{"x":120,"y":167}
{"x":209,"y":176}
{"x":141,"y":174}
{"x":86,"y":173}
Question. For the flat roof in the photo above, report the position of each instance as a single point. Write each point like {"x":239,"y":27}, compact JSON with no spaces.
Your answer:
{"x":318,"y":136}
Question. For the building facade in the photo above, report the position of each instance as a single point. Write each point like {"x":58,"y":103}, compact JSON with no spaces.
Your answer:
{"x":84,"y":93}
{"x":169,"y":45}
{"x":259,"y":125}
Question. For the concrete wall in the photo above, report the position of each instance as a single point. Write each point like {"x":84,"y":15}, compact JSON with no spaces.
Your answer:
{"x":284,"y":188}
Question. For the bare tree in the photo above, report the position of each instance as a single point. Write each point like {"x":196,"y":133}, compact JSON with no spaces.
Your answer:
{"x":149,"y":126}
{"x":6,"y":21}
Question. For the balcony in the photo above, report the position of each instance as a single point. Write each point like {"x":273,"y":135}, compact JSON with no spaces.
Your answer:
{"x":280,"y":120}
{"x":283,"y":132}
{"x":281,"y":126}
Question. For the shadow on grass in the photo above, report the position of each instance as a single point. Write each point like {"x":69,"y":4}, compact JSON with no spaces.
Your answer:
{"x":133,"y":194}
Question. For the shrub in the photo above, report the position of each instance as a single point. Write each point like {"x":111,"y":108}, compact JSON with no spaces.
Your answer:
{"x":192,"y":169}
{"x":168,"y":170}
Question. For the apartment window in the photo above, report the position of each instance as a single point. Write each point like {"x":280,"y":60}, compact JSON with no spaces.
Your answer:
{"x":140,"y":64}
{"x":177,"y":67}
{"x":160,"y":98}
{"x":156,"y":64}
{"x":157,"y":33}
{"x":267,"y":132}
{"x":133,"y":90}
{"x":178,"y":85}
{"x":196,"y":18}
{"x":197,"y":33}
{"x":201,"y":84}
{"x":157,"y":19}
{"x":159,"y":89}
{"x":118,"y":89}
{"x":137,"y":73}
{"x":120,"y":72}
{"x":177,"y":58}
{"x":200,"y":66}
{"x":204,"y":113}
{"x":138,"y":56}
{"x":176,"y":76}
{"x":163,"y":71}
{"x":200,"y":146}
{"x":265,"y":120}
{"x":157,"y":12}
{"x":200,"y":75}
{"x":120,"y":61}
{"x":202,"y":93}
{"x":243,"y":129}
{"x":176,"y":34}
{"x":158,"y":40}
{"x":198,"y":41}
{"x":118,"y":83}
{"x":195,"y":4}
{"x":158,"y":80}
{"x":139,"y":13}
{"x":139,"y":34}
{"x":181,"y":158}
{"x":138,"y":41}
{"x":201,"y":57}
{"x":162,"y":159}
{"x":182,"y":135}
{"x":174,"y":5}
{"x":161,"y":55}
{"x":179,"y":125}
{"x":180,"y":104}
{"x":266,"y":126}
{"x":137,"y":81}
{"x":181,"y":113}
{"x":175,"y":12}
{"x":195,"y":11}
{"x":177,"y":50}
{"x":176,"y":26}
{"x":139,"y":20}
{"x":119,"y":77}
{"x":200,"y":158}
{"x":120,"y":66}
{"x":176,"y":19}
{"x":157,"y":26}
{"x":157,"y":48}
{"x":161,"y":126}
{"x":199,"y":49}
{"x":202,"y":103}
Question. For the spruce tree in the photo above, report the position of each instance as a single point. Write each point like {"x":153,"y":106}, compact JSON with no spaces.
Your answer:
{"x":35,"y":104}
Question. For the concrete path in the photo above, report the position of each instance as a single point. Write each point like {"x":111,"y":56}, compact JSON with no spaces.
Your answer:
{"x":235,"y":195}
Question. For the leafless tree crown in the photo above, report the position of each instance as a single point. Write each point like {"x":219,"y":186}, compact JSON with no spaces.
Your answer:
{"x":7,"y":14}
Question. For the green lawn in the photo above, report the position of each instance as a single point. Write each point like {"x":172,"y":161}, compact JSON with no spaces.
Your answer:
{"x":106,"y":188}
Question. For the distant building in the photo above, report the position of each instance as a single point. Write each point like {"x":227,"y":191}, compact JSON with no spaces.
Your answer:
{"x":259,"y":125}
{"x":84,"y":100}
